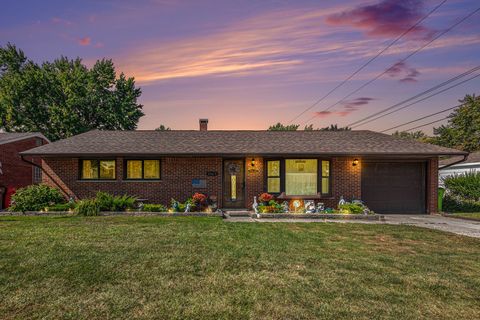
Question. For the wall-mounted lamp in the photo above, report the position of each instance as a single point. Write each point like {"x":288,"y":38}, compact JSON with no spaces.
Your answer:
{"x":355,"y":162}
{"x":252,"y":166}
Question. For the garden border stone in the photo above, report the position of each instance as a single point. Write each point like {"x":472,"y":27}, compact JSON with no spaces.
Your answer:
{"x":340,"y":216}
{"x":116,"y":213}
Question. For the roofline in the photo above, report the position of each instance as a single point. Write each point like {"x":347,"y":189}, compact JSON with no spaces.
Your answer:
{"x":369,"y":154}
{"x":27,"y":136}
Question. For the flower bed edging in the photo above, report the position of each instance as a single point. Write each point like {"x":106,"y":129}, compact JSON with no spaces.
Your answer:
{"x":371,"y":217}
{"x":116,"y":213}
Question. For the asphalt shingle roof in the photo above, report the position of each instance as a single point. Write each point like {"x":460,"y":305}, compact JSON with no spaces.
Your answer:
{"x":236,"y":143}
{"x":7,"y":137}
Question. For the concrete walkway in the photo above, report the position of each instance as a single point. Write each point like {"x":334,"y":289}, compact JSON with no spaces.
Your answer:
{"x":437,"y":222}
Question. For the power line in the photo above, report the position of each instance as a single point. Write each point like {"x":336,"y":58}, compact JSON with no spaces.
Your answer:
{"x":426,"y":124}
{"x":413,"y":103}
{"x":369,"y":61}
{"x":355,"y":123}
{"x":422,"y":118}
{"x":402,"y":60}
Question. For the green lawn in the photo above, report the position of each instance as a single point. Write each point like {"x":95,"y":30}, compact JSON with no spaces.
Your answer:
{"x":474,"y":216}
{"x":204,"y":268}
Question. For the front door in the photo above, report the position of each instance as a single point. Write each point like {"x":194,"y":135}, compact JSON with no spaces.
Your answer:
{"x":233,"y":183}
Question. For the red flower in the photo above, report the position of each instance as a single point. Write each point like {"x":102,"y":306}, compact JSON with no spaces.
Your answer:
{"x":199,"y":198}
{"x":265,"y":197}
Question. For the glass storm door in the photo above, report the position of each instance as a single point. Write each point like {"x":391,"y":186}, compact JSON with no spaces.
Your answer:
{"x":233,"y":184}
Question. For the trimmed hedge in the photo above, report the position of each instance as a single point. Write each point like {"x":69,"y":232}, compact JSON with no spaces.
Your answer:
{"x":154,"y":208}
{"x":465,"y":186}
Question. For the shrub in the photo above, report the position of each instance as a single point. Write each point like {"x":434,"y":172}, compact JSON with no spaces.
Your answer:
{"x":61,"y":207}
{"x":456,"y":204}
{"x":108,"y":202}
{"x":88,"y":207}
{"x":353,"y":208}
{"x":35,"y":198}
{"x":465,"y":186}
{"x":154,"y":208}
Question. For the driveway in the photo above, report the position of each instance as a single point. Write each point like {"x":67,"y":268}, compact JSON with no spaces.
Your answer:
{"x":458,"y":226}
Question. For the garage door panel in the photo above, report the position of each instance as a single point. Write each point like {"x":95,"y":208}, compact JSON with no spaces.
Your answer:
{"x":394,"y":187}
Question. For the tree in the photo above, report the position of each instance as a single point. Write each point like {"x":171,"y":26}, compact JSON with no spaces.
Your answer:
{"x":64,"y":97}
{"x":334,"y":127}
{"x":416,"y":135}
{"x":163,"y":128}
{"x":463,"y":128}
{"x":281,"y":127}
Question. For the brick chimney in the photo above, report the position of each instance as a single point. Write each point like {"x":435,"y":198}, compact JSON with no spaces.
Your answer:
{"x":203,"y":124}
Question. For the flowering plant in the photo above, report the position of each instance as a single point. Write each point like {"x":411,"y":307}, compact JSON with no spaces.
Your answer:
{"x":265,"y":197}
{"x":199,"y":198}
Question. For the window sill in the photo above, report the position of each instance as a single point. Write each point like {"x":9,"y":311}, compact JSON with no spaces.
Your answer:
{"x":317,"y":196}
{"x":142,"y":180}
{"x":97,"y":180}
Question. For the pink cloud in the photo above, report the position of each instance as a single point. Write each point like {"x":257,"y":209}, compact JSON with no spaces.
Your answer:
{"x":85,"y":41}
{"x":348,"y":107}
{"x":402,"y":69}
{"x":384,"y":19}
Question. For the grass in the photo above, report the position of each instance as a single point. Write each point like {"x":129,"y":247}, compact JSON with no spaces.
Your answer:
{"x":204,"y":268}
{"x":472,"y":216}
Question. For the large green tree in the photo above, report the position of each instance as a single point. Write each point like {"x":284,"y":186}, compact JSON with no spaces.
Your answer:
{"x":64,"y":97}
{"x":463,"y":128}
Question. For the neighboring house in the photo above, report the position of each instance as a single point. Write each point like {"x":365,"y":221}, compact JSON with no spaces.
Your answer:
{"x":471,"y":163}
{"x":391,"y":175}
{"x":15,"y":173}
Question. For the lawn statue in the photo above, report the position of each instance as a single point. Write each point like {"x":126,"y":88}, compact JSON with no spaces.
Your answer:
{"x":188,"y":207}
{"x":320,"y":207}
{"x":255,"y":205}
{"x":341,"y":202}
{"x":285,"y":207}
{"x":309,"y":206}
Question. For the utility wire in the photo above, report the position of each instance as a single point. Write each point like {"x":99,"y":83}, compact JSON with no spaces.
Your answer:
{"x":369,"y":61}
{"x":426,"y":124}
{"x":468,"y":72}
{"x":422,"y":118}
{"x":402,"y":60}
{"x":413,"y":103}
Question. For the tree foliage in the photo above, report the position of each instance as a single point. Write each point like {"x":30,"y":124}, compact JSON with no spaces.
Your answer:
{"x":294,"y":127}
{"x":463,"y":128}
{"x":163,"y":128}
{"x":64,"y":97}
{"x":416,"y":135}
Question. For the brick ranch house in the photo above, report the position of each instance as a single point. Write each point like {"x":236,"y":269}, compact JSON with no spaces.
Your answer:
{"x":391,"y":175}
{"x":15,"y":173}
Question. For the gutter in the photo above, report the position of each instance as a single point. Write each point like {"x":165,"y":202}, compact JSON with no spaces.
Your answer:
{"x":465,"y":156}
{"x":46,"y":173}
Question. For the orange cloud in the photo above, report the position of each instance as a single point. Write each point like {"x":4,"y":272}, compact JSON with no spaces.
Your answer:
{"x":85,"y":41}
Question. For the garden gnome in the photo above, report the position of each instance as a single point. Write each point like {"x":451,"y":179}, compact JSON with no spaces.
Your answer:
{"x":285,"y":207}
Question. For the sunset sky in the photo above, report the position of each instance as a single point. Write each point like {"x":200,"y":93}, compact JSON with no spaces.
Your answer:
{"x":248,"y":64}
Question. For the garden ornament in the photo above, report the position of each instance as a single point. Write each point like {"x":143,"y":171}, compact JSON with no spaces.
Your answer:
{"x":188,"y":207}
{"x":309,"y":206}
{"x":285,"y":206}
{"x":255,"y":205}
{"x":296,"y":205}
{"x":342,"y":201}
{"x":320,"y":207}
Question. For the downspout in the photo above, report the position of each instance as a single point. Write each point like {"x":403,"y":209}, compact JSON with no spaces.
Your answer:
{"x":456,"y":162}
{"x":46,"y":173}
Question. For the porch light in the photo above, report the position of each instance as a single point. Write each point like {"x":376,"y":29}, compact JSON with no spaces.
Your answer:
{"x":355,"y":162}
{"x":252,"y":166}
{"x":252,"y":163}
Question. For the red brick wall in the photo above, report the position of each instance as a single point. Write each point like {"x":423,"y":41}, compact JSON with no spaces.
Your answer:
{"x":432,"y":186}
{"x":16,"y":172}
{"x":254,"y":179}
{"x":177,"y":175}
{"x":176,"y":181}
